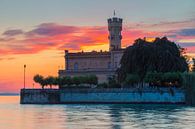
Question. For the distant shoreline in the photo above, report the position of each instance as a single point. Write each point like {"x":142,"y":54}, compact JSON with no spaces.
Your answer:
{"x":9,"y":94}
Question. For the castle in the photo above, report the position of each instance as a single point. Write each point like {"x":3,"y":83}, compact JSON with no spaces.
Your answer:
{"x":102,"y":64}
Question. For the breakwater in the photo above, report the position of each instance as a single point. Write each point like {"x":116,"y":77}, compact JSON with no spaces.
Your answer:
{"x":60,"y":96}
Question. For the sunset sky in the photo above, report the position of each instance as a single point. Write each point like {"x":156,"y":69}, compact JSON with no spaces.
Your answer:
{"x":36,"y":32}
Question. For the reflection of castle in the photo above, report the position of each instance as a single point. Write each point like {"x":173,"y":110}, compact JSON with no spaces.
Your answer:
{"x":102,"y":64}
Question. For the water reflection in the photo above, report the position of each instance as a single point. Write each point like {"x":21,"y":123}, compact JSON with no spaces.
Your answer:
{"x":116,"y":116}
{"x":142,"y":116}
{"x":125,"y":116}
{"x":74,"y":116}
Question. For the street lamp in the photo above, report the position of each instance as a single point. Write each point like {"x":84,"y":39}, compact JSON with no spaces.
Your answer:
{"x":24,"y":76}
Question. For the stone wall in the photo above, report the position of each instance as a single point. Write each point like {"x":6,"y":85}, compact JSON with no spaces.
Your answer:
{"x":100,"y":96}
{"x":39,"y":96}
{"x":121,"y":96}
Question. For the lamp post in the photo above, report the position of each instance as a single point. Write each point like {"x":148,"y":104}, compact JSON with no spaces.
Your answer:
{"x":24,"y":76}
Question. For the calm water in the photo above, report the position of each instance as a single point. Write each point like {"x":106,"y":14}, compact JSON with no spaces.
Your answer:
{"x":16,"y":116}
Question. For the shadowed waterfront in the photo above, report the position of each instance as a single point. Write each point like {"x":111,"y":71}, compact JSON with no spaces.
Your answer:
{"x":109,"y":116}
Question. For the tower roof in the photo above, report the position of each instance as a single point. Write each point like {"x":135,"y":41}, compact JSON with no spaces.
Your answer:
{"x":114,"y":13}
{"x":114,"y":18}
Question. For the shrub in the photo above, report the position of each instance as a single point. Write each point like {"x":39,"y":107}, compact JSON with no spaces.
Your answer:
{"x":92,"y":80}
{"x":102,"y":85}
{"x":76,"y":80}
{"x":132,"y":79}
{"x":163,"y":79}
{"x":112,"y":83}
{"x":153,"y":78}
{"x":172,"y":78}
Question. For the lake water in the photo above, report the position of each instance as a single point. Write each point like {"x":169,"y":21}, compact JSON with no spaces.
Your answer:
{"x":81,"y":116}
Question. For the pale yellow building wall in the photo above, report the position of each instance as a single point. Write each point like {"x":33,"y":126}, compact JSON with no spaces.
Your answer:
{"x":101,"y":65}
{"x":89,"y":63}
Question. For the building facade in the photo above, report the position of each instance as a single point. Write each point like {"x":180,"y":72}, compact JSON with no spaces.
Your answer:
{"x":102,"y":64}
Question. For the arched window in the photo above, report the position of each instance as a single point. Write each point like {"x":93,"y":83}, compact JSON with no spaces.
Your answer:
{"x":76,"y":66}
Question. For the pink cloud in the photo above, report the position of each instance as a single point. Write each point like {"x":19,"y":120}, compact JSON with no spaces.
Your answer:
{"x":13,"y":32}
{"x":51,"y":29}
{"x":55,"y":36}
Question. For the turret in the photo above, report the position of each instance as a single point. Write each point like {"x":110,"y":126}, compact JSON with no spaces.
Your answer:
{"x":115,"y":28}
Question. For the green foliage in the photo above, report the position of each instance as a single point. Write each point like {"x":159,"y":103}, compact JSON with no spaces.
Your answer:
{"x":153,"y":78}
{"x":55,"y":81}
{"x":50,"y":81}
{"x":62,"y":81}
{"x":65,"y":81}
{"x":132,"y":79}
{"x":112,"y":83}
{"x":164,"y":79}
{"x":68,"y":80}
{"x":174,"y":78}
{"x":102,"y":85}
{"x":161,"y":56}
{"x":83,"y":79}
{"x":39,"y":79}
{"x":76,"y":80}
{"x":92,"y":79}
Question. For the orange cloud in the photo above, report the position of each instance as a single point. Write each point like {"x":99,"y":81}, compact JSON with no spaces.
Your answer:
{"x":48,"y":36}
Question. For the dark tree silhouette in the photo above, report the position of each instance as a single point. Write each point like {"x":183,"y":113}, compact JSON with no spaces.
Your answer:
{"x":161,"y":55}
{"x":50,"y":81}
{"x":39,"y":79}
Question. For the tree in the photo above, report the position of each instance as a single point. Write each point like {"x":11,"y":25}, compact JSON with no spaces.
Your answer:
{"x":132,"y":79}
{"x":172,"y":78}
{"x":64,"y":81}
{"x":83,"y":79}
{"x":112,"y":82}
{"x":68,"y":80}
{"x":55,"y":81}
{"x":76,"y":80}
{"x":60,"y":81}
{"x":153,"y":78}
{"x":92,"y":80}
{"x":39,"y":79}
{"x":50,"y":81}
{"x":142,"y":57}
{"x":164,"y":79}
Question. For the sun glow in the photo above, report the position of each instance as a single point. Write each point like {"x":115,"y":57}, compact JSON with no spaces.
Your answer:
{"x":103,"y":47}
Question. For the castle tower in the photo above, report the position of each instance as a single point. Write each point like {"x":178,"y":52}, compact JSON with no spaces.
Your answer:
{"x":115,"y":28}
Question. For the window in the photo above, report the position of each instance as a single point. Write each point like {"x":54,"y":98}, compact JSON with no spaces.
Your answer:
{"x":75,"y":66}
